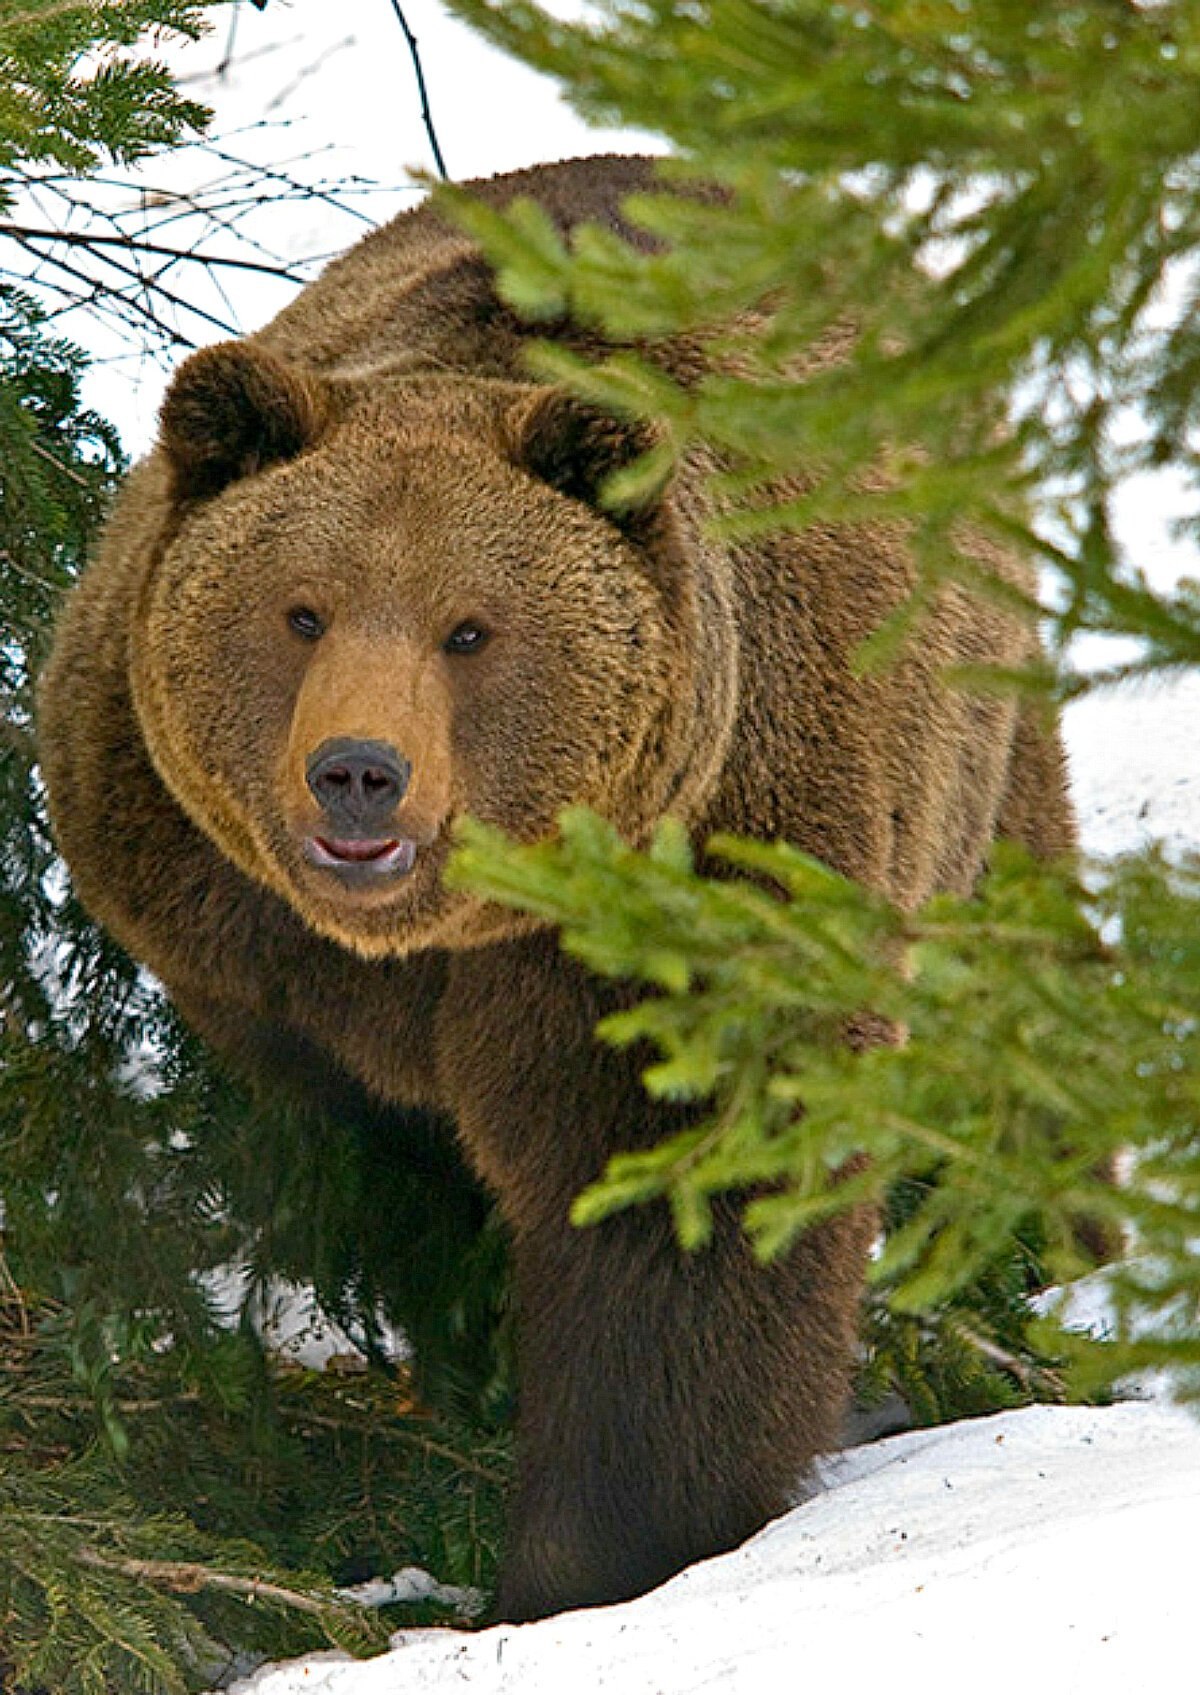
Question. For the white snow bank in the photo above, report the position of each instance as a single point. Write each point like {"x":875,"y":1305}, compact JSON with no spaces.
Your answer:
{"x":1134,"y":773}
{"x":1050,"y":1548}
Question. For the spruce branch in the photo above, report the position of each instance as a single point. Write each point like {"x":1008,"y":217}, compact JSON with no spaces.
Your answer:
{"x":461,"y":1461}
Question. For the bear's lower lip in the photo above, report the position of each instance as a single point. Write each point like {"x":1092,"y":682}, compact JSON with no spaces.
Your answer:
{"x":391,"y":856}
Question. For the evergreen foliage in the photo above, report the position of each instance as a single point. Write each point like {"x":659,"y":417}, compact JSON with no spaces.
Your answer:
{"x":995,"y":210}
{"x":999,"y":199}
{"x":1033,"y":1054}
{"x":168,"y":1494}
{"x":73,"y":93}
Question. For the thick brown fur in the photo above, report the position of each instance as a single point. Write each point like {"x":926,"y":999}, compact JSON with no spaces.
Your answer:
{"x":379,"y":457}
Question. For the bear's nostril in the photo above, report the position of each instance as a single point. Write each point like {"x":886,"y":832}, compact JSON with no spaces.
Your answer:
{"x":358,"y":783}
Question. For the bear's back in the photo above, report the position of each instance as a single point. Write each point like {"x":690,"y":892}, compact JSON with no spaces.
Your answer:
{"x":416,"y":295}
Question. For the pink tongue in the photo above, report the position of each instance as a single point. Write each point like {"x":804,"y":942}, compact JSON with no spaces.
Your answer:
{"x":357,"y":850}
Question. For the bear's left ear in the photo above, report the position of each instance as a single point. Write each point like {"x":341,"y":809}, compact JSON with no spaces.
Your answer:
{"x":576,"y":448}
{"x":233,"y":410}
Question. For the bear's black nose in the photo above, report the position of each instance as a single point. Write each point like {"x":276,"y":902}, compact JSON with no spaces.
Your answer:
{"x":359,"y":784}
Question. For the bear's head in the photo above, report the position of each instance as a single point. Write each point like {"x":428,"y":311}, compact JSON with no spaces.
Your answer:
{"x":383,"y":602}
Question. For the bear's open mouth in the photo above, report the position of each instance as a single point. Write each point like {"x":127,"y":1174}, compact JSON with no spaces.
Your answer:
{"x":361,"y":857}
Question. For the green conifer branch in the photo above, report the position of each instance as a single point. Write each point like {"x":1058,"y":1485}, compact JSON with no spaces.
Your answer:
{"x":984,"y":203}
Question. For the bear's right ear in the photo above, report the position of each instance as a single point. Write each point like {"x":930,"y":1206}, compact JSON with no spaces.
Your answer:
{"x":233,"y":410}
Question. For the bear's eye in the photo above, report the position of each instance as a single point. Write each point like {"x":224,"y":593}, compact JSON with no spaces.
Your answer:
{"x":306,"y":623}
{"x":467,"y":637}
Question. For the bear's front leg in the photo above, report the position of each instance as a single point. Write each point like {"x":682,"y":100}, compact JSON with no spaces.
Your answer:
{"x":669,"y":1402}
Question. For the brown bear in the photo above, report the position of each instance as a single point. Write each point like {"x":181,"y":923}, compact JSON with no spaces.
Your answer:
{"x":364,"y":586}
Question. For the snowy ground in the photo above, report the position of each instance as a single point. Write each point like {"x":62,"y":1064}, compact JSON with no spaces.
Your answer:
{"x":1048,"y":1549}
{"x":1134,"y":771}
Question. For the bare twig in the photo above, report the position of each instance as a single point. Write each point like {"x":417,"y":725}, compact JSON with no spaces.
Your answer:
{"x":97,"y":291}
{"x":131,"y":1406}
{"x":84,"y":238}
{"x":292,"y":188}
{"x":392,"y":1433}
{"x":184,"y":1577}
{"x":120,"y":250}
{"x":1030,"y":1377}
{"x":38,"y":582}
{"x":41,"y":248}
{"x":11,"y":1293}
{"x":426,"y":114}
{"x":68,"y":471}
{"x":222,"y":71}
{"x":303,"y":75}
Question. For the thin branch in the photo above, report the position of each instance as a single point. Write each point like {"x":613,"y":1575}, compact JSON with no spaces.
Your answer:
{"x":426,"y":114}
{"x":1030,"y":1377}
{"x":392,"y":1433}
{"x":150,"y":285}
{"x":67,"y":470}
{"x":80,"y":238}
{"x":292,"y":188}
{"x":185,"y":1577}
{"x":95,"y":252}
{"x":100,"y":292}
{"x":222,"y":71}
{"x":306,"y":71}
{"x":11,"y":1293}
{"x":32,"y":577}
{"x":15,"y":1397}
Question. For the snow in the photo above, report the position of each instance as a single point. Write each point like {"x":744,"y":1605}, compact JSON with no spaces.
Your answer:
{"x":1134,"y":773}
{"x":293,"y":1324}
{"x":1047,"y":1547}
{"x":410,"y":1584}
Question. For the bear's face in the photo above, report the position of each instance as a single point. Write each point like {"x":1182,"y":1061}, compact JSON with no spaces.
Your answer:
{"x":383,"y":607}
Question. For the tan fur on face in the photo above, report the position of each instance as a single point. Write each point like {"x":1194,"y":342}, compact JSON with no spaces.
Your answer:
{"x":607,"y":680}
{"x":378,"y":690}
